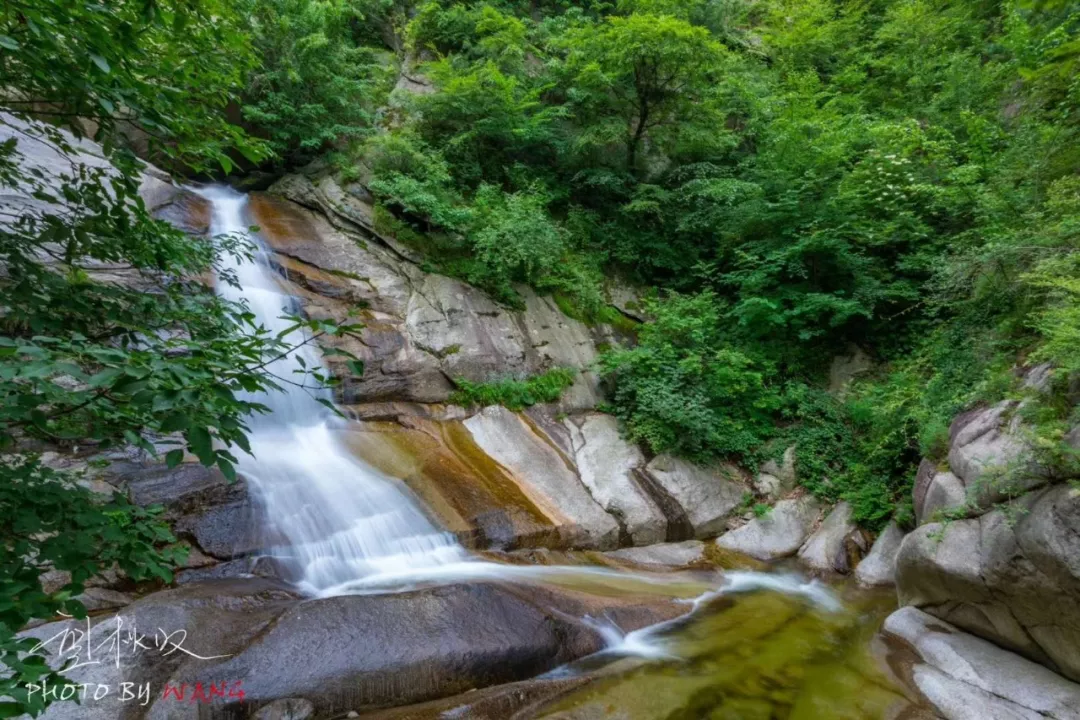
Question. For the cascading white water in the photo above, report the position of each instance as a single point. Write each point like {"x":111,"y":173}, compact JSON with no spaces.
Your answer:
{"x":332,"y":520}
{"x":337,"y":525}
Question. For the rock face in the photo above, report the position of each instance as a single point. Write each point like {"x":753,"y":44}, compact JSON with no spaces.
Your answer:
{"x":423,"y":330}
{"x":1014,"y":583}
{"x":780,"y":533}
{"x":547,"y":472}
{"x":607,"y":465}
{"x":879,"y":567}
{"x":966,"y":677}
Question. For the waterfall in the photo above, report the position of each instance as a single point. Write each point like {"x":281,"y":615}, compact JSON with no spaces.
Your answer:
{"x":335,"y":525}
{"x":328,"y":518}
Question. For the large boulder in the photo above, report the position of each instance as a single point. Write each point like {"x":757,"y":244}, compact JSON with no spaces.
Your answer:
{"x":546,"y":474}
{"x":608,"y":466}
{"x":1011,"y":577}
{"x":779,"y":533}
{"x":360,"y":652}
{"x":879,"y":567}
{"x":966,"y":677}
{"x":708,"y":495}
{"x":984,"y":444}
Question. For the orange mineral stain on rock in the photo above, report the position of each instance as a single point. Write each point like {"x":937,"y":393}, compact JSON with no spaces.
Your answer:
{"x":282,"y":225}
{"x":468,"y":492}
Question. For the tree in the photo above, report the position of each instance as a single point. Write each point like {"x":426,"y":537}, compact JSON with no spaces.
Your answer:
{"x":107,"y":335}
{"x":315,"y":86}
{"x":639,"y":74}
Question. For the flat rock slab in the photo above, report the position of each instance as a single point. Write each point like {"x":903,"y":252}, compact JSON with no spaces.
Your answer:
{"x":778,"y":534}
{"x":667,"y":555}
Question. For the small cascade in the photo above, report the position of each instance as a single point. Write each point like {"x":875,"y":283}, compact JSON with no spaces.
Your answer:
{"x":335,"y":525}
{"x":329,"y":518}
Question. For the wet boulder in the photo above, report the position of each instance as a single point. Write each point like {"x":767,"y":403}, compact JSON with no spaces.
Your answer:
{"x":361,"y":652}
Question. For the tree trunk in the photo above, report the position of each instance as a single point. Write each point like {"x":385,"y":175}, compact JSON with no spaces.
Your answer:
{"x":635,"y":139}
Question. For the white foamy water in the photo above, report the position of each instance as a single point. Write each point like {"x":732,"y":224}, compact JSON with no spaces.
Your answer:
{"x":330,"y":518}
{"x":650,"y":643}
{"x":338,"y":526}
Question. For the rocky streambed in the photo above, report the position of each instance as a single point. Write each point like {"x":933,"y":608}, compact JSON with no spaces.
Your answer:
{"x":988,"y":624}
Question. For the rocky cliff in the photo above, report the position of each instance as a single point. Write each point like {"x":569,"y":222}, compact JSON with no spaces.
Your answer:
{"x":990,"y":579}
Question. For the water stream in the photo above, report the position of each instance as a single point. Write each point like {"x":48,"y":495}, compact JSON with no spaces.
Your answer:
{"x":335,"y":525}
{"x":328,"y":518}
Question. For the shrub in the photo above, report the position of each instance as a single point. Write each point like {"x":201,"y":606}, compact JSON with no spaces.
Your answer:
{"x":514,"y":394}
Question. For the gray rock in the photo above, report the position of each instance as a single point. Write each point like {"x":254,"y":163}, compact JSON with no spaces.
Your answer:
{"x":956,"y":700}
{"x":984,"y":668}
{"x":778,"y":534}
{"x":983,"y":444}
{"x":359,"y":652}
{"x":776,"y":479}
{"x":663,"y":554}
{"x":1038,"y":378}
{"x":199,"y":502}
{"x":286,"y":709}
{"x":1013,"y":583}
{"x":607,"y":464}
{"x":707,"y":496}
{"x":96,"y":599}
{"x":205,"y":619}
{"x":545,"y":474}
{"x":879,"y":567}
{"x":824,"y":550}
{"x":421,"y":328}
{"x":944,"y":492}
{"x":845,"y":368}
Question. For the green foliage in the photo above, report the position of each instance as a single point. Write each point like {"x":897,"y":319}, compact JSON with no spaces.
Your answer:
{"x":316,"y":87}
{"x":119,"y":66}
{"x":683,"y":389}
{"x":49,"y":523}
{"x":107,"y":335}
{"x":640,"y":76}
{"x":514,"y":394}
{"x":796,"y":178}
